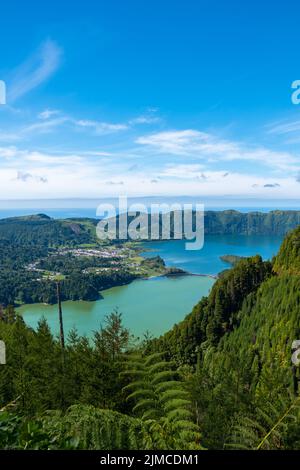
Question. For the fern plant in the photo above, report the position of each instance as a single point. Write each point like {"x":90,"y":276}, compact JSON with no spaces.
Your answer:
{"x":269,"y":429}
{"x":159,"y":399}
{"x":86,"y":427}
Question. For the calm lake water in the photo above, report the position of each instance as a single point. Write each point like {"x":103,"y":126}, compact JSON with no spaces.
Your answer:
{"x":153,"y":305}
{"x":156,"y":304}
{"x":207,"y":260}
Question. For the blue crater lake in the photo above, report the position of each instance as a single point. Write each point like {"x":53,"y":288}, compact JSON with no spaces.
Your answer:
{"x":156,"y":304}
{"x":207,"y":260}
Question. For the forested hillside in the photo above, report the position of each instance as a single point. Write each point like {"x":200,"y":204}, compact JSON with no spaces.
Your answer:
{"x":277,"y":222}
{"x":41,"y":230}
{"x":232,"y":222}
{"x":23,"y":240}
{"x":288,"y":258}
{"x":216,"y":315}
{"x":239,"y":340}
{"x":36,"y":250}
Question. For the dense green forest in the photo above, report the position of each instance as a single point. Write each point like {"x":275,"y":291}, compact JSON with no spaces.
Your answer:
{"x":23,"y":240}
{"x":220,"y":379}
{"x":35,"y":251}
{"x":227,"y":222}
{"x":277,"y":222}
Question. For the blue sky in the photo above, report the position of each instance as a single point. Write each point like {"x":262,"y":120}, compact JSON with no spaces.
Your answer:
{"x":149,"y":98}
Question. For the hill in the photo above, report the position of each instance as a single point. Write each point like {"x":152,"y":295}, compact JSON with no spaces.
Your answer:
{"x":240,"y":340}
{"x":230,"y":222}
{"x":43,"y":231}
{"x":288,"y":258}
{"x":277,"y":222}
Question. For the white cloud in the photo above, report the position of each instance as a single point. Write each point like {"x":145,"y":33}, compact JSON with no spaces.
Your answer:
{"x":101,"y":127}
{"x":75,"y":175}
{"x":174,"y":142}
{"x":47,"y":113}
{"x":201,"y":145}
{"x":8,"y":152}
{"x":114,"y":183}
{"x":42,"y":127}
{"x":35,"y":70}
{"x":144,"y":120}
{"x":27,"y":177}
{"x":53,"y":120}
{"x":46,"y":125}
{"x":53,"y":160}
{"x":35,"y":129}
{"x":284,"y":127}
{"x":186,"y":171}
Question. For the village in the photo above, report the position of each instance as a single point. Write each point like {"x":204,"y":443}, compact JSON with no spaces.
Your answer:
{"x":95,"y":260}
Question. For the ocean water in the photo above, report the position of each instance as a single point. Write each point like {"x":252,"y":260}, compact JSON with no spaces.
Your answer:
{"x":60,"y":209}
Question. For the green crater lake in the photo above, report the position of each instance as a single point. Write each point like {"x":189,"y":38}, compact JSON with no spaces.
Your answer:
{"x":156,"y":304}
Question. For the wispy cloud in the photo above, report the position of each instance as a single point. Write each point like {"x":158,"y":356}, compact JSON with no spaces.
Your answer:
{"x":201,"y":145}
{"x":187,"y":171}
{"x":266,"y":185}
{"x":27,"y":173}
{"x":114,"y":183}
{"x":100,"y":128}
{"x":35,"y":70}
{"x":13,"y":153}
{"x":284,"y":127}
{"x":43,"y":126}
{"x":32,"y":129}
{"x":28,"y":177}
{"x":144,"y":120}
{"x":50,"y":122}
{"x":47,"y":113}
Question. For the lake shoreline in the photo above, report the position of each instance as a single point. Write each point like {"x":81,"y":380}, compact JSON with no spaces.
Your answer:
{"x":156,"y":305}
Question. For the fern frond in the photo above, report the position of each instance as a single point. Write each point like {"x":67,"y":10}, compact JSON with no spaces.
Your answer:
{"x":141,"y":393}
{"x":279,"y":421}
{"x":169,"y":385}
{"x":176,"y":403}
{"x":160,"y":366}
{"x":138,"y":384}
{"x":153,"y":358}
{"x":267,"y":429}
{"x":152,"y":414}
{"x":173,"y":394}
{"x":178,"y":414}
{"x":144,"y":404}
{"x":162,"y":376}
